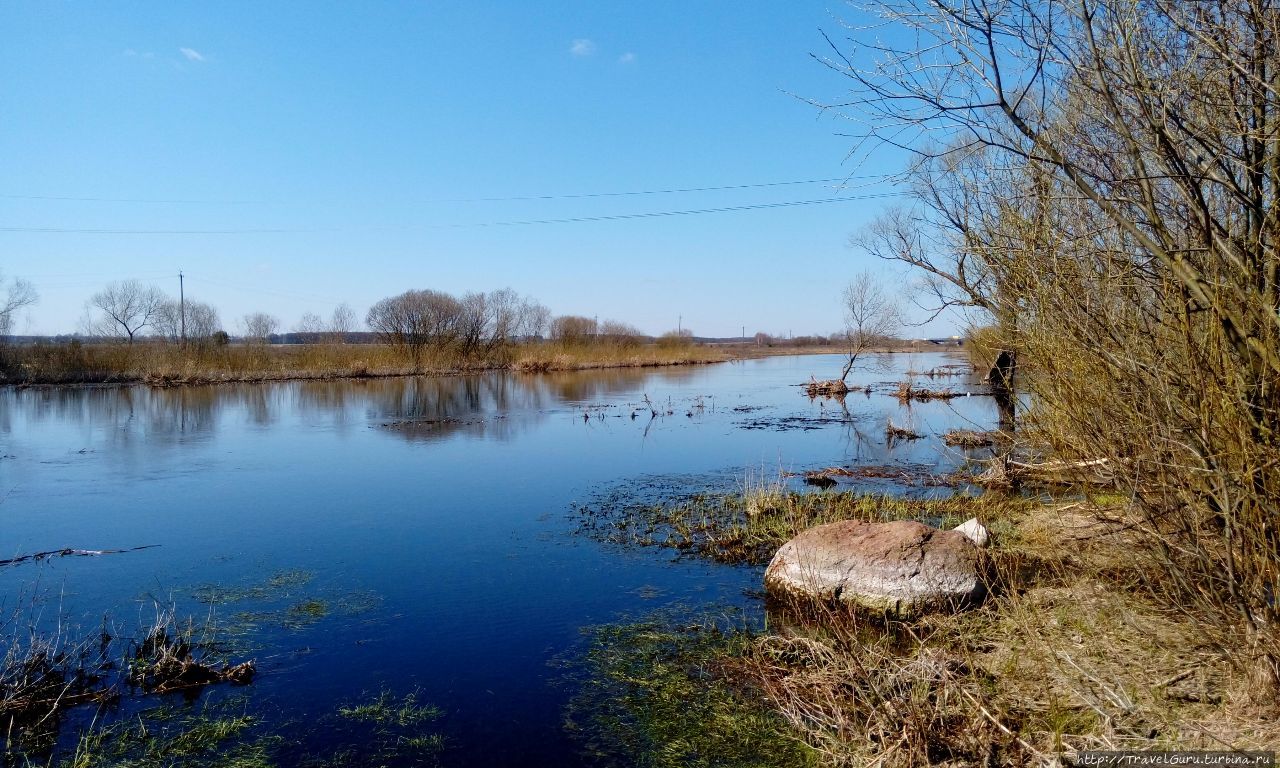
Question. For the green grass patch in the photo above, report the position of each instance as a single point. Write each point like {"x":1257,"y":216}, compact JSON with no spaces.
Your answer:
{"x":655,"y":694}
{"x":749,"y":527}
{"x":386,"y":710}
{"x":211,"y":735}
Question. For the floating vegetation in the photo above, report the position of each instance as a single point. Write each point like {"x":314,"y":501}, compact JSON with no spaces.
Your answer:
{"x":951,"y":369}
{"x":969,"y":438}
{"x":826,"y":388}
{"x":902,"y":474}
{"x":277,"y":585}
{"x":749,"y":527}
{"x":908,"y":392}
{"x":657,"y":694}
{"x":793,"y":423}
{"x":894,"y":432}
{"x":297,"y":616}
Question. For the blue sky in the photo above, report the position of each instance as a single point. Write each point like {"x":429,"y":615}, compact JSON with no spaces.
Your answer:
{"x":315,"y":153}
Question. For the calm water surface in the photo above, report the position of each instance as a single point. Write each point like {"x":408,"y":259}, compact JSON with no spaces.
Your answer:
{"x":431,"y":515}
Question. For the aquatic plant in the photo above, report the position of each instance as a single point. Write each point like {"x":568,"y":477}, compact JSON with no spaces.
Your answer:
{"x":655,"y":694}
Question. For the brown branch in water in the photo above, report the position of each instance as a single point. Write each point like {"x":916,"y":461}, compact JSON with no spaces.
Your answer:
{"x":70,"y":553}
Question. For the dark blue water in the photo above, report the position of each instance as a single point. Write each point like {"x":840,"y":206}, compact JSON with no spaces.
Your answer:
{"x":430,"y":514}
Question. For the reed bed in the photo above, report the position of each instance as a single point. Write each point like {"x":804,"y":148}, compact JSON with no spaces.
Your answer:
{"x":163,"y":364}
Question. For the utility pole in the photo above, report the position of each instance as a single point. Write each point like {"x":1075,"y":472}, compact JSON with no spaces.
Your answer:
{"x":679,"y":325}
{"x":182,"y":308}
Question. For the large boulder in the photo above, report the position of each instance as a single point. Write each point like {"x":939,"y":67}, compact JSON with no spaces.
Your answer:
{"x":900,"y":568}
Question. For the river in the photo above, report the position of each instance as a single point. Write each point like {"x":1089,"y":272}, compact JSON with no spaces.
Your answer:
{"x":424,"y":524}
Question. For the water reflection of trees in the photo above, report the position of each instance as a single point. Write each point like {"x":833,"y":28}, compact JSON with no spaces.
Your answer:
{"x":495,"y":405}
{"x":492,"y":406}
{"x":586,"y":386}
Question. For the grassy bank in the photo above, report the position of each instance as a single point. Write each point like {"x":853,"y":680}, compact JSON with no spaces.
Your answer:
{"x":1074,"y":650}
{"x":747,"y":528}
{"x":170,"y":364}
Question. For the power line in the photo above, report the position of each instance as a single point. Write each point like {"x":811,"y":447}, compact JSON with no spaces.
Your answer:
{"x":512,"y":198}
{"x":673,"y":191}
{"x":692,"y":212}
{"x":271,"y":292}
{"x":513,"y":223}
{"x":60,"y":198}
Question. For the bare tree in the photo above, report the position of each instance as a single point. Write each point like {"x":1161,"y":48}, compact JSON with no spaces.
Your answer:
{"x":310,"y":328}
{"x":474,"y":322}
{"x":309,"y":323}
{"x":415,"y":320}
{"x":507,"y":310}
{"x":620,"y":333}
{"x":17,"y":294}
{"x":257,"y":327}
{"x":341,"y":322}
{"x":573,"y":329}
{"x":124,"y":309}
{"x":870,"y":316}
{"x":1110,"y":196}
{"x":535,"y":319}
{"x":201,"y":321}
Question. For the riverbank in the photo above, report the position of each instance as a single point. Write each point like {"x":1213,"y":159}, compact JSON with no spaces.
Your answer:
{"x":159,"y":364}
{"x":170,"y":365}
{"x":1071,"y":652}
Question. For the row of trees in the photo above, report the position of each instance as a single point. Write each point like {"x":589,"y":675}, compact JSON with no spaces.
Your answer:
{"x":130,"y":310}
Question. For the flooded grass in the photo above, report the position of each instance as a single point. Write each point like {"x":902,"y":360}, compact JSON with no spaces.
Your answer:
{"x":656,"y":694}
{"x":44,"y":679}
{"x":382,"y":730}
{"x":278,"y":584}
{"x":169,"y":735}
{"x":386,"y":710}
{"x":748,"y":527}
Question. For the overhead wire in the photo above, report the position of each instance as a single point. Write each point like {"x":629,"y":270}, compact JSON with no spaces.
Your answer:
{"x":511,"y":198}
{"x":510,"y":223}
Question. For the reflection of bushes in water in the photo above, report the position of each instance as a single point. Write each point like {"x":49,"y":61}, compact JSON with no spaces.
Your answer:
{"x":658,"y":693}
{"x":749,"y":527}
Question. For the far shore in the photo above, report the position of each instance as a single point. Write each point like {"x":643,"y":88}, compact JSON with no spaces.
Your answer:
{"x":168,"y":365}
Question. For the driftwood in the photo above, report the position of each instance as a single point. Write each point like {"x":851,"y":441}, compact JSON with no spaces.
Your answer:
{"x":1005,"y":472}
{"x":71,"y":553}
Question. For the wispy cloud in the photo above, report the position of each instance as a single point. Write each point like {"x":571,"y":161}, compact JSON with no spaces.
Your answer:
{"x":582,"y":47}
{"x":133,"y":54}
{"x":627,"y":58}
{"x":191,"y":54}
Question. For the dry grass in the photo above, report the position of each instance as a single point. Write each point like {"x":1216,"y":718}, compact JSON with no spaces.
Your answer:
{"x":1070,"y":654}
{"x":907,"y":391}
{"x":556,"y":356}
{"x":167,"y":364}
